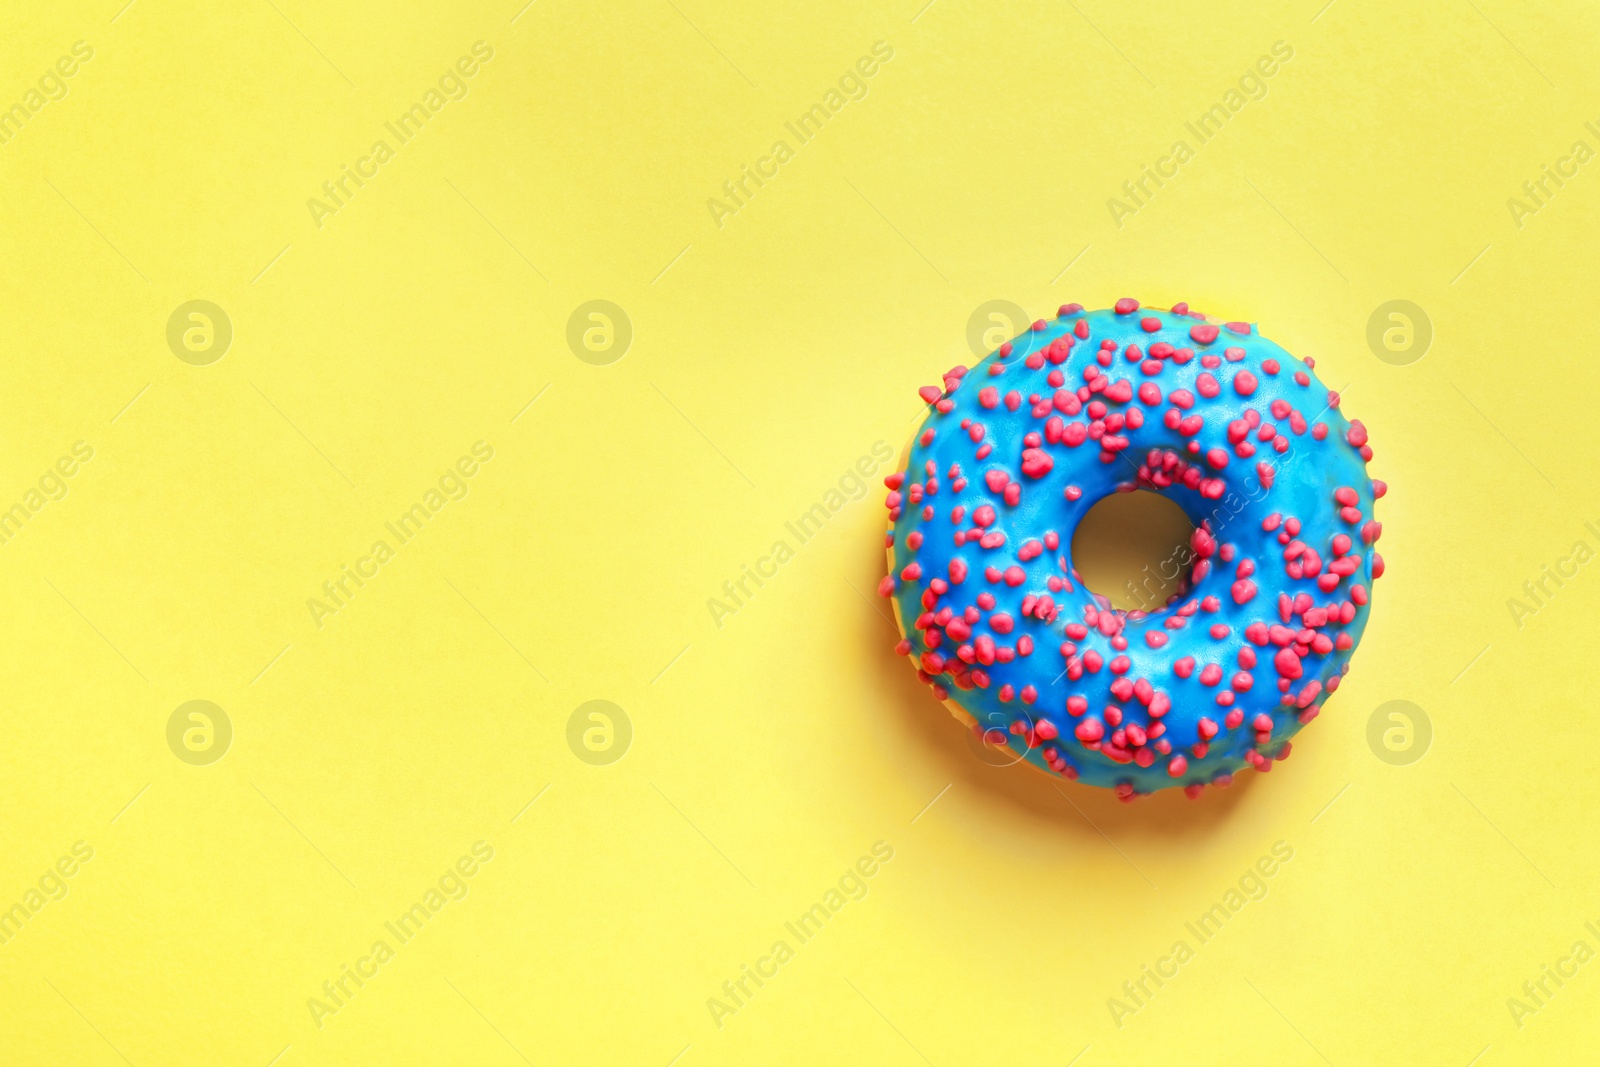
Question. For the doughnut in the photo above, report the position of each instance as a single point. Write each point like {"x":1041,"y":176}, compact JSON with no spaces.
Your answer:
{"x":1015,"y":451}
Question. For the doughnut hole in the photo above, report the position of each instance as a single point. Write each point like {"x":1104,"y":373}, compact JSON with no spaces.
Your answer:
{"x":1133,"y":549}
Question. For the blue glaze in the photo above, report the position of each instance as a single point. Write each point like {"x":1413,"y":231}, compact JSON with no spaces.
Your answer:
{"x":1303,"y":487}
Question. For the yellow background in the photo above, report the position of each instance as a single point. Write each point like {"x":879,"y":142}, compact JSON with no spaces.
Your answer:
{"x":768,"y":355}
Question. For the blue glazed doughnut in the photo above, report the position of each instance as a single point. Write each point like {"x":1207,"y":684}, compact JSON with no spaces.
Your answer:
{"x":1015,"y":451}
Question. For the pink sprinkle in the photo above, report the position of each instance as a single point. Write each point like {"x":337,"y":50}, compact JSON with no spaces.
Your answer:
{"x":1287,"y":663}
{"x":1244,"y":383}
{"x":1036,"y":463}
